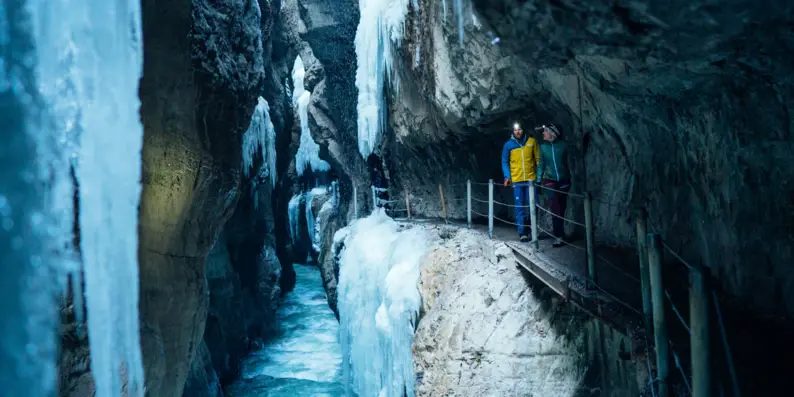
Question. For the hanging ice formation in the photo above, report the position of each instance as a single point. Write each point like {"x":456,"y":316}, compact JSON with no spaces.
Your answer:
{"x":381,"y":26}
{"x":379,"y":300}
{"x":308,"y":155}
{"x":69,"y":85}
{"x":260,"y":137}
{"x":293,"y":211}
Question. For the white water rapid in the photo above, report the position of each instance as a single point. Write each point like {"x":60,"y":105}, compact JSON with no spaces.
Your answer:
{"x":304,"y":358}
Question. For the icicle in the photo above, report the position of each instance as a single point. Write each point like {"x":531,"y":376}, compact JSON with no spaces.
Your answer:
{"x":444,"y":9}
{"x":379,"y":301}
{"x":308,"y":154}
{"x":261,"y":137}
{"x":459,"y":11}
{"x":293,"y":211}
{"x":381,"y":25}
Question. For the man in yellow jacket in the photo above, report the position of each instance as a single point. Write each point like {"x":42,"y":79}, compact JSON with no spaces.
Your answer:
{"x":520,"y":156}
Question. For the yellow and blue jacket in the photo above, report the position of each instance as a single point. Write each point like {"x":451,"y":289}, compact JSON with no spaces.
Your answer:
{"x":520,"y":159}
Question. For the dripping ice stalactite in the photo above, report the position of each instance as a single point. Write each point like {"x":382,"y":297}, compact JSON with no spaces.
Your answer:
{"x":381,"y":25}
{"x":379,"y":300}
{"x":260,"y":137}
{"x":293,"y":211}
{"x":308,"y":155}
{"x":459,"y":12}
{"x":109,"y":174}
{"x":75,"y":97}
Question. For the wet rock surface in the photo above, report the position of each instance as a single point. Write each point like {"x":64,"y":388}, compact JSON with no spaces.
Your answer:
{"x":678,"y":107}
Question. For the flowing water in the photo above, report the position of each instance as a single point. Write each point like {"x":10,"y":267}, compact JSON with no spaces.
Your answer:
{"x":305,"y":358}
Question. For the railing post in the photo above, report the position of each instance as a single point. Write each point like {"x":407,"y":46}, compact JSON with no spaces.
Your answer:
{"x":588,"y":220}
{"x":645,"y":277}
{"x":374,"y":198}
{"x":407,"y":204}
{"x":443,"y":202}
{"x":699,"y":342}
{"x":659,"y":325}
{"x":355,"y":202}
{"x":468,"y":203}
{"x":533,"y":217}
{"x":490,"y":208}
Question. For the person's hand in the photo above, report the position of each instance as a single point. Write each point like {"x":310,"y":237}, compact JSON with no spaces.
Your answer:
{"x":507,"y":182}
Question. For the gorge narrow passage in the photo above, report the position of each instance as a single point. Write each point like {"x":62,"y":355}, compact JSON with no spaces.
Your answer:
{"x":304,"y":358}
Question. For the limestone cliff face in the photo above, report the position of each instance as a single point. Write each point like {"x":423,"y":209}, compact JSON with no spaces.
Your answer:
{"x":488,"y":329}
{"x":680,"y":107}
{"x":202,"y":72}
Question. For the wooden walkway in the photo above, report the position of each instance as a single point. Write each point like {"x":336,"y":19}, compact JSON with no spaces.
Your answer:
{"x":616,"y":300}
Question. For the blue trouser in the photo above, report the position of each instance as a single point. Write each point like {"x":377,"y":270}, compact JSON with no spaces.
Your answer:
{"x":521,"y":196}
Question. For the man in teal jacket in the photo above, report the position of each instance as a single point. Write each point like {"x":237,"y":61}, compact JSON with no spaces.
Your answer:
{"x":553,"y":173}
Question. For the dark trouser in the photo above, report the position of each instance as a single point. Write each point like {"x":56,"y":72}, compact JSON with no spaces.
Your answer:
{"x":521,"y":196}
{"x":558,"y":203}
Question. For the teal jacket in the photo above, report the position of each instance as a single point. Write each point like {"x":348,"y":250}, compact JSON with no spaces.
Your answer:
{"x":553,"y":162}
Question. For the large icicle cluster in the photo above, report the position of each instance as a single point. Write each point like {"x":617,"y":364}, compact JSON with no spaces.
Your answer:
{"x":308,"y":155}
{"x":379,"y":300}
{"x":260,"y":137}
{"x":381,"y":26}
{"x":72,"y":82}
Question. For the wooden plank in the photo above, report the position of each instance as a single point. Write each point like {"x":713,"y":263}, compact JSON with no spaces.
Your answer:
{"x":609,"y":314}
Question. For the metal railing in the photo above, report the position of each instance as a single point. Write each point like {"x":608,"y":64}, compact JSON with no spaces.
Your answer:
{"x":655,"y":297}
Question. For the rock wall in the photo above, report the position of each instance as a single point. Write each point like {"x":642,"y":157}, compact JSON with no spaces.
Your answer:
{"x":486,"y":328}
{"x":678,"y":107}
{"x":243,"y":275}
{"x":202,"y":72}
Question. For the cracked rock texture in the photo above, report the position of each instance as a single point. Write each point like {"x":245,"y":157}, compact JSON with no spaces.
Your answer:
{"x":486,"y":330}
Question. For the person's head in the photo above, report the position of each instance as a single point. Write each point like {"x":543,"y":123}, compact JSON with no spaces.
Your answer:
{"x":518,"y":132}
{"x":550,"y":133}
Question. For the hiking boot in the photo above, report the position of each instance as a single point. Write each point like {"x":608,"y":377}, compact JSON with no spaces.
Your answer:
{"x":524,"y":238}
{"x":557,"y":242}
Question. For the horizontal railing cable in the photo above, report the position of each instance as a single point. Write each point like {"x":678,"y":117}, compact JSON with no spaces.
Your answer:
{"x":560,"y":191}
{"x":560,"y":217}
{"x":677,"y":312}
{"x":680,"y":368}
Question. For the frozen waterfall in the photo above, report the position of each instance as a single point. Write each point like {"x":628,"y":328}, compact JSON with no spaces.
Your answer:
{"x":308,"y":155}
{"x":381,"y":25}
{"x":379,"y":300}
{"x":260,"y":137}
{"x":69,"y":73}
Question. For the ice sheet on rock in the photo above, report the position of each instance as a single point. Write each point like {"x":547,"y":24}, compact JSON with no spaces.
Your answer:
{"x":308,"y":155}
{"x":260,"y":138}
{"x":293,"y":212}
{"x":329,"y":206}
{"x":381,"y":26}
{"x":379,"y":300}
{"x":310,"y":223}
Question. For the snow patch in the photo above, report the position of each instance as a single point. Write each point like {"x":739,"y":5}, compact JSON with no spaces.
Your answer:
{"x":308,"y":155}
{"x":379,"y":300}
